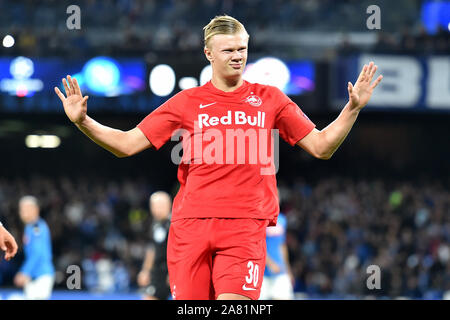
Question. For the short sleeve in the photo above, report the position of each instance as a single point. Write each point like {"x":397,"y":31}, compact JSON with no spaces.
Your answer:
{"x":159,"y":125}
{"x":291,"y":121}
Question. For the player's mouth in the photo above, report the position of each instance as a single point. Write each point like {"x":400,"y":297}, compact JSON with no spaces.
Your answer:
{"x":236,"y":66}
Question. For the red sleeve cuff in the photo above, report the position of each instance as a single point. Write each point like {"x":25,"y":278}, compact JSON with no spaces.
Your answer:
{"x":155,"y":143}
{"x":302,"y":133}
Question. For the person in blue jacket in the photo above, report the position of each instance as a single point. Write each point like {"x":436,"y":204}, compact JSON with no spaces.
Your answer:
{"x":278,"y":279}
{"x":37,"y":274}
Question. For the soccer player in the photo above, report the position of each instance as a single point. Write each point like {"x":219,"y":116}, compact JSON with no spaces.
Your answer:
{"x":7,"y":243}
{"x":154,"y":275}
{"x":277,"y":283}
{"x":36,"y":275}
{"x":216,"y":246}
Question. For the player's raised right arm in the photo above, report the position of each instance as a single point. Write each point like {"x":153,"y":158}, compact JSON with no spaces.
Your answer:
{"x":120,"y":143}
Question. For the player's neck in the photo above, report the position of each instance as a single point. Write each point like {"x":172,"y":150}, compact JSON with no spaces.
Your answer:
{"x":227,"y":85}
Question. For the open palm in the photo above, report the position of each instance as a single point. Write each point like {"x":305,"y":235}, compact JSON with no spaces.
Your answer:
{"x":75,"y":105}
{"x":359,"y":95}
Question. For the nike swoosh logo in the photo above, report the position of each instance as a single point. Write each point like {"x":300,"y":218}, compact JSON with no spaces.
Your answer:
{"x":206,"y":105}
{"x":247,"y":289}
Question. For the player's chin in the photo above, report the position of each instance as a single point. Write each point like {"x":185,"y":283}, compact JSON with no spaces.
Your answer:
{"x":235,"y":72}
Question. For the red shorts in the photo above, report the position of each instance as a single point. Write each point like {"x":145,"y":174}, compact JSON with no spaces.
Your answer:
{"x":210,"y":256}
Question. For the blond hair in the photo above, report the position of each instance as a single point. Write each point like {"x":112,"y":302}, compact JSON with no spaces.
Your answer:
{"x":222,"y":25}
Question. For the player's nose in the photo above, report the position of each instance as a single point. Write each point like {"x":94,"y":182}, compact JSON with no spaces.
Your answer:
{"x":237,"y":56}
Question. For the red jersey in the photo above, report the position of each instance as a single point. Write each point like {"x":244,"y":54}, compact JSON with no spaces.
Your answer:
{"x":227,"y":142}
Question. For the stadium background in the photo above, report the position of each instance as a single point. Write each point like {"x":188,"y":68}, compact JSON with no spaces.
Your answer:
{"x":382,"y":199}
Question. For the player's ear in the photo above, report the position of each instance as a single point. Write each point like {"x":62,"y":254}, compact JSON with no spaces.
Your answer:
{"x":208,"y":53}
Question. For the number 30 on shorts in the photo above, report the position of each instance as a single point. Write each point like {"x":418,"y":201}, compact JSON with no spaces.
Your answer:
{"x":253,"y":273}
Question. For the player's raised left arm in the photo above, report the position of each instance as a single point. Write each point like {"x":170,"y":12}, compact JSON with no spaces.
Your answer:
{"x":323,"y":143}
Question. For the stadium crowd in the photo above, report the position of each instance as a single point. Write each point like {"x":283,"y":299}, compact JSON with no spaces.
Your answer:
{"x":404,"y":42}
{"x":337,"y":227}
{"x":160,"y":27}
